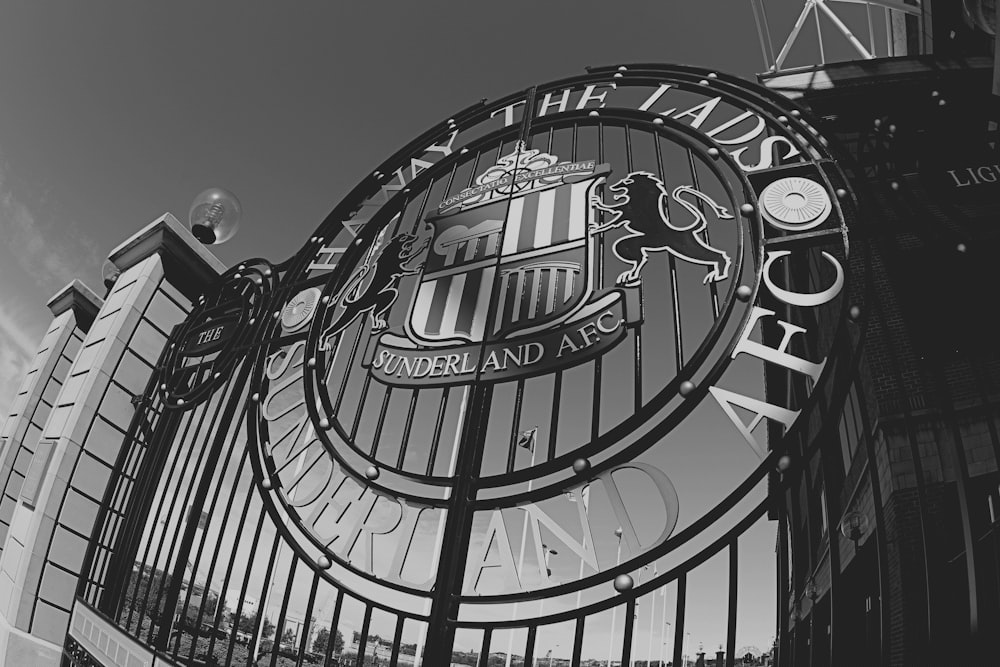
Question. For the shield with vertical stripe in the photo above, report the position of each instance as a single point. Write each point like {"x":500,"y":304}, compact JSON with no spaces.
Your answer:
{"x":508,"y":266}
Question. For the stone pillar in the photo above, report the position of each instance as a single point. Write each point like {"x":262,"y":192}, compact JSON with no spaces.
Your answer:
{"x":74,"y":309}
{"x":162,"y":269}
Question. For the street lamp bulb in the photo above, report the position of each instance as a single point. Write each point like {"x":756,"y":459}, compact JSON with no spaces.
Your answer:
{"x":215,"y":215}
{"x":854,"y":525}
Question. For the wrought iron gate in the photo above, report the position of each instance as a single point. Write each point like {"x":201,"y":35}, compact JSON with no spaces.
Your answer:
{"x":476,"y":419}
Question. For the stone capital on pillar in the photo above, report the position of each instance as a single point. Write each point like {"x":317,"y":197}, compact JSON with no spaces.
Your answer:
{"x":187,"y":264}
{"x":79,"y":298}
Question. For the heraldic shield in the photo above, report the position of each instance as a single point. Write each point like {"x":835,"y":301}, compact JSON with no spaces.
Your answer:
{"x":509,"y":265}
{"x":506,"y":268}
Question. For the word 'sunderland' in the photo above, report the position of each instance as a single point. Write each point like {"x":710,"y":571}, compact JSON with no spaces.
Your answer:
{"x":591,"y":332}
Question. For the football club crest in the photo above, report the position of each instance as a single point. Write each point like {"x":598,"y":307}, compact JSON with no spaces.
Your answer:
{"x":508,"y":286}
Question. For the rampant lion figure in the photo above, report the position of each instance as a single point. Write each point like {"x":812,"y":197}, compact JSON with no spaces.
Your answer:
{"x":381,"y":274}
{"x":641,"y":208}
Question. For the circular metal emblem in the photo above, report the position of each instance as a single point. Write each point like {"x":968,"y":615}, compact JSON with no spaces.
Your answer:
{"x":204,"y":353}
{"x":550,"y":331}
{"x":297,"y":313}
{"x":795,"y":203}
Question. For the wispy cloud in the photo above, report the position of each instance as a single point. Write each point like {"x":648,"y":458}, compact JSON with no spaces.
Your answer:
{"x":38,"y":255}
{"x":17,"y":346}
{"x":20,"y":338}
{"x":52,"y":252}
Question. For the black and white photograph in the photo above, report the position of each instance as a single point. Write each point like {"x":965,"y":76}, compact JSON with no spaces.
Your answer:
{"x":560,"y":333}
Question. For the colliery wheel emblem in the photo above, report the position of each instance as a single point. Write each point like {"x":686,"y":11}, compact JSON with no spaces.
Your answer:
{"x":795,"y":203}
{"x":297,"y":313}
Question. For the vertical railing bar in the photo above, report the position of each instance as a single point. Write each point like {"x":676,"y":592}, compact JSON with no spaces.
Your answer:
{"x":599,"y":254}
{"x":577,"y":642}
{"x":136,"y":440}
{"x":427,"y":195}
{"x":361,"y":406}
{"x":156,"y":517}
{"x":363,"y":639}
{"x":636,"y":331}
{"x":515,"y":426}
{"x":198,"y":479}
{"x":713,"y":287}
{"x":334,"y":622}
{"x":262,"y":609}
{"x":451,"y":178}
{"x":629,"y":630}
{"x":224,"y":397}
{"x":529,"y":647}
{"x":674,"y":294}
{"x":436,"y":438}
{"x":350,"y":365}
{"x":381,"y":421}
{"x":279,"y":628}
{"x":407,"y":428}
{"x":484,"y":651}
{"x":246,"y":579}
{"x":595,"y":413}
{"x":397,"y":639}
{"x":170,"y":511}
{"x":232,"y":561}
{"x":307,"y":620}
{"x":204,"y":539}
{"x":734,"y":571}
{"x":557,"y":383}
{"x":554,"y":421}
{"x":679,"y":618}
{"x":782,"y":590}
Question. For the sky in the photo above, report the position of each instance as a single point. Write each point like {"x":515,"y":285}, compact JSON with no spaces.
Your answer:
{"x":112,"y":114}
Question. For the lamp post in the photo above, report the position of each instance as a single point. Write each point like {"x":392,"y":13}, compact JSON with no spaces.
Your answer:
{"x":614,"y":610}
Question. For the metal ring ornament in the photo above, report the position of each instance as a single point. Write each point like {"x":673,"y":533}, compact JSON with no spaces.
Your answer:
{"x":659,"y":414}
{"x":795,"y":204}
{"x":233,"y":309}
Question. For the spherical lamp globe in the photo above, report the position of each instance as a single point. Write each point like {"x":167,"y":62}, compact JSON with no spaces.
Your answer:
{"x":215,"y":216}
